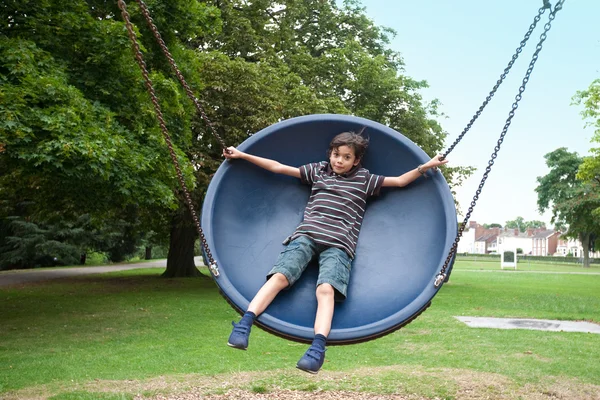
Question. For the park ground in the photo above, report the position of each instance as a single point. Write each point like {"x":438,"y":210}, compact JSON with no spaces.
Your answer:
{"x":133,"y":335}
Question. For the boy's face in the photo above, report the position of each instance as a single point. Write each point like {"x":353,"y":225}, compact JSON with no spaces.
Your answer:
{"x":342,"y":159}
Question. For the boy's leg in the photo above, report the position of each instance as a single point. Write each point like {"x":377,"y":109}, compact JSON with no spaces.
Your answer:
{"x":288,"y":268}
{"x":314,"y":357}
{"x":325,"y":307}
{"x":267,"y":293}
{"x":241,"y":331}
{"x":334,"y":274}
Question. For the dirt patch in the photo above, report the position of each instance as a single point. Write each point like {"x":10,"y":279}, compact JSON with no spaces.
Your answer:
{"x":382,"y":383}
{"x":396,"y":383}
{"x":291,"y":395}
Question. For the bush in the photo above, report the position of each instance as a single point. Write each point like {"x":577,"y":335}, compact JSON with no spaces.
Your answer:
{"x":29,"y":245}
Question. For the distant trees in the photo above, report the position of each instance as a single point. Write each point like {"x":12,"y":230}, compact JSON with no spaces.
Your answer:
{"x":492,"y":225}
{"x":590,"y":168}
{"x":523,"y":225}
{"x":571,"y":200}
{"x":79,"y":140}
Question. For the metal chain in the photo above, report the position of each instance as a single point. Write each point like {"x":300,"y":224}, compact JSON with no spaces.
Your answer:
{"x":442,"y":274}
{"x":502,"y":77}
{"x":157,"y":109}
{"x":182,"y":80}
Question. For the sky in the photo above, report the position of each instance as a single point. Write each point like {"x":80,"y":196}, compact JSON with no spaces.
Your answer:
{"x":460,"y":48}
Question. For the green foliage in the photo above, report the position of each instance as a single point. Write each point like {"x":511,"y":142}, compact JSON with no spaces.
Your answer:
{"x":523,"y":225}
{"x":272,"y":61}
{"x":492,"y":225}
{"x":337,"y":54}
{"x":63,"y":151}
{"x":590,"y":99}
{"x":27,"y":245}
{"x":78,"y":133}
{"x":572,"y":201}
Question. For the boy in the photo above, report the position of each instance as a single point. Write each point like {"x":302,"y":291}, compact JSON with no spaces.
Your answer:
{"x":329,"y":230}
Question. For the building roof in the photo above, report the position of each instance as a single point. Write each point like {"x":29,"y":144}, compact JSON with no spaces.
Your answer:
{"x":487,"y":237}
{"x":538,"y":234}
{"x":511,"y":233}
{"x":544,"y":234}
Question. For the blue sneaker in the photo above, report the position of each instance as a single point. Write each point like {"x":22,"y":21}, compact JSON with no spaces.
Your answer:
{"x":312,"y":360}
{"x":239,"y":336}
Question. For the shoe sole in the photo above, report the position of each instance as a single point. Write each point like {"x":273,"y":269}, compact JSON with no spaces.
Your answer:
{"x":307,"y":370}
{"x":236,"y":347}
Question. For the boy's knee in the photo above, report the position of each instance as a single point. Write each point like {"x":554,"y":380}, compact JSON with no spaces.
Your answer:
{"x":326,"y":290}
{"x":280,"y":279}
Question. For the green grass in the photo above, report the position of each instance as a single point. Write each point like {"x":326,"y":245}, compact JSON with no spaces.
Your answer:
{"x":135,"y":325}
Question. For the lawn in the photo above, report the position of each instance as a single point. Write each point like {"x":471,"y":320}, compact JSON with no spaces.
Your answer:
{"x":133,"y":333}
{"x":524,"y":265}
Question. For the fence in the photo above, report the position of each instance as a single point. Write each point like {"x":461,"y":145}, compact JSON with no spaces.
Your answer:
{"x":526,"y":258}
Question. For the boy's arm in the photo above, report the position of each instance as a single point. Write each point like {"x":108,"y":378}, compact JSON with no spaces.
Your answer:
{"x":408,"y":177}
{"x":268,"y":164}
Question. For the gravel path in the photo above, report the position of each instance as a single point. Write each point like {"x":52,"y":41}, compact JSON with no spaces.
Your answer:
{"x":19,"y":277}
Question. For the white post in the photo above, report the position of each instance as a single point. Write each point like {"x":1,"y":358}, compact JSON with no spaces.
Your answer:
{"x":508,"y":263}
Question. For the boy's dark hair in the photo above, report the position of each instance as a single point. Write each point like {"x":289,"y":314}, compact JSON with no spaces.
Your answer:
{"x":354,"y":140}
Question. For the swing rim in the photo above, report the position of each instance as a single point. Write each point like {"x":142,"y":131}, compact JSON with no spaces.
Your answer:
{"x":286,"y":329}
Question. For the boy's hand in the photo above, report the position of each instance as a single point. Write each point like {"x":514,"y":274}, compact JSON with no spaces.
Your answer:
{"x":232,"y":152}
{"x":435,"y":162}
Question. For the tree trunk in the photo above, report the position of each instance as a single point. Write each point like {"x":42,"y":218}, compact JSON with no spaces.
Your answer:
{"x":148,"y":255}
{"x":584,"y":238}
{"x":180,"y":260}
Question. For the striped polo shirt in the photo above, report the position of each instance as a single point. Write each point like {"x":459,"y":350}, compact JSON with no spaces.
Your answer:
{"x":335,"y":209}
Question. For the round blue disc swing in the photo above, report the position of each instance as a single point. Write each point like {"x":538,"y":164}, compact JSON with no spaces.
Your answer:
{"x":405,"y":238}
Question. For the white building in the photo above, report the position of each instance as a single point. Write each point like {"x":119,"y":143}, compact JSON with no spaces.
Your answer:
{"x":538,"y":242}
{"x":573,"y":247}
{"x":512,"y":239}
{"x":467,"y":240}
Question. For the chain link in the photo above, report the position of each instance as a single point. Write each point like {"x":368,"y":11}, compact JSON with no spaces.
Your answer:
{"x":178,"y":73}
{"x":442,"y":274}
{"x":499,"y":82}
{"x":157,"y":109}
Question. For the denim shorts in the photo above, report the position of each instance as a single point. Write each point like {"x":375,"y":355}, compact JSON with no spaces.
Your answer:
{"x":334,"y":264}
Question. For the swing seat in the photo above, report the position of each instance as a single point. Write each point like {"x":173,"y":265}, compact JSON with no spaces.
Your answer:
{"x":405,"y":238}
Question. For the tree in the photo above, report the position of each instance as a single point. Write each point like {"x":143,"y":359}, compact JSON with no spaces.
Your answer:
{"x":76,"y":124}
{"x":571,"y":200}
{"x":518,"y":223}
{"x":77,"y":129}
{"x":492,"y":225}
{"x":590,"y":98}
{"x":337,"y":53}
{"x":28,"y":245}
{"x":272,"y":61}
{"x":536,"y":224}
{"x":522,"y":225}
